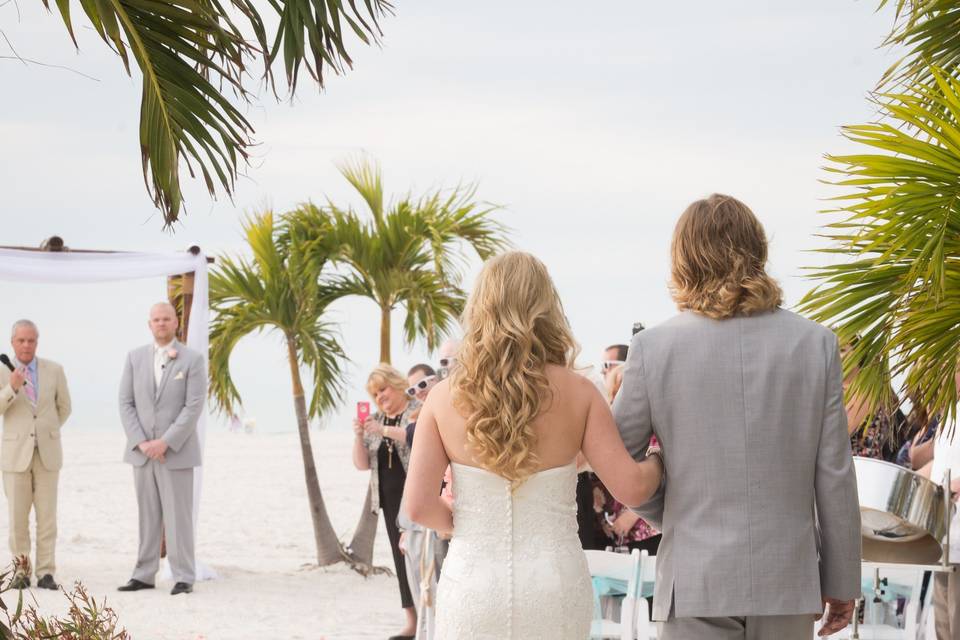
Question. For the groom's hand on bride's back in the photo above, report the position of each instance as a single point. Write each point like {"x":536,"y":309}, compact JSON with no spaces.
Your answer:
{"x":837,"y":614}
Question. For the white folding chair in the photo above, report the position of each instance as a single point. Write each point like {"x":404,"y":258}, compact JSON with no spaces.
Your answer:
{"x":617,"y":566}
{"x":646,"y":630}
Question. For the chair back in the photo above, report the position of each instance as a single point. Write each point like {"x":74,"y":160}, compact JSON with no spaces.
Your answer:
{"x":607,"y":565}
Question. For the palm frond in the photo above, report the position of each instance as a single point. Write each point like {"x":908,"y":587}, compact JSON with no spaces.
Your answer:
{"x":410,"y":254}
{"x":900,"y":292}
{"x":193,"y":53}
{"x":929,"y":30}
{"x":365,"y":177}
{"x":179,"y":46}
{"x":322,"y":355}
{"x":279,"y":288}
{"x":311,"y":32}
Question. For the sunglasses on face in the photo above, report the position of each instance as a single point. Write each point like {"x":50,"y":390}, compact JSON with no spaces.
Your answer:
{"x":446,"y":363}
{"x":611,"y":364}
{"x":420,"y":386}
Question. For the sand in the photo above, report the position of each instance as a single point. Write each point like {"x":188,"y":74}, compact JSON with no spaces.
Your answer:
{"x":255,"y":532}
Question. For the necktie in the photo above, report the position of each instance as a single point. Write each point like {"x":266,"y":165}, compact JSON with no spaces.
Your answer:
{"x":31,"y":391}
{"x":159,"y":360}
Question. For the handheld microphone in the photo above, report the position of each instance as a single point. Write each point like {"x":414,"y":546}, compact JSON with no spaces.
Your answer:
{"x":5,"y":359}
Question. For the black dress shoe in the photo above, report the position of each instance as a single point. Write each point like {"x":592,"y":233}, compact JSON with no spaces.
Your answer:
{"x":135,"y":585}
{"x":20,"y":582}
{"x":47,"y":582}
{"x":181,"y":587}
{"x":402,"y":638}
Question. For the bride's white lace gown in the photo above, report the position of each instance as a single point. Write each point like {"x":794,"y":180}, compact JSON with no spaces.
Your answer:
{"x":515,"y":569}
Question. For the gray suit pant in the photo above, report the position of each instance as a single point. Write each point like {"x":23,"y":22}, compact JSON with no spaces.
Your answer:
{"x":164,"y":505}
{"x":946,"y":605}
{"x":749,"y":628}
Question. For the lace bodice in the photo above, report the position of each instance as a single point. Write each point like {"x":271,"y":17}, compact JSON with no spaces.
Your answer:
{"x":515,"y":568}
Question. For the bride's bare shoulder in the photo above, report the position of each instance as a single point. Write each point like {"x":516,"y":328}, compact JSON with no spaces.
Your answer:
{"x":570,"y":381}
{"x":440,"y":394}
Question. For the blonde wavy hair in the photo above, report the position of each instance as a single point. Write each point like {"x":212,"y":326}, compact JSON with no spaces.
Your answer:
{"x":385,"y":375}
{"x":719,"y":255}
{"x":514,"y":326}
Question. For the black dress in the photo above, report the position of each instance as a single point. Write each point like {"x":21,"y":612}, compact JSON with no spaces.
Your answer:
{"x":588,"y":528}
{"x":391,"y":480}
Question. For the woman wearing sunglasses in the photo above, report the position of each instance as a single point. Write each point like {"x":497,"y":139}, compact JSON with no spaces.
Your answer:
{"x":424,"y":550}
{"x":381,"y":446}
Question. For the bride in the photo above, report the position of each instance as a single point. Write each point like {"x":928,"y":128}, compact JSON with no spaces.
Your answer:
{"x":510,"y":422}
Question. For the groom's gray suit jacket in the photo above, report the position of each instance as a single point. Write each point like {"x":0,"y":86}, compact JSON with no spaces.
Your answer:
{"x":758,"y":508}
{"x":168,"y":411}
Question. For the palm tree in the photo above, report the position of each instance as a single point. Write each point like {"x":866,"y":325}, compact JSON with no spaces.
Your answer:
{"x":194,"y":53}
{"x":897,"y":298}
{"x":408,"y":254}
{"x":280,"y":290}
{"x":405,"y":255}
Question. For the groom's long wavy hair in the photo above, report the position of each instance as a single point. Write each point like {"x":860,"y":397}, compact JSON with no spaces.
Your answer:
{"x":719,"y":255}
{"x":514,"y":326}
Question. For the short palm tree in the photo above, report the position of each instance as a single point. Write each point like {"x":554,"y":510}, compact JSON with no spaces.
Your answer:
{"x":195,"y":54}
{"x":280,"y":290}
{"x":409,"y":254}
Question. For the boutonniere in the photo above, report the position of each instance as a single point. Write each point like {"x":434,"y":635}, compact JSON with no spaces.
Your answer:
{"x":172,"y":354}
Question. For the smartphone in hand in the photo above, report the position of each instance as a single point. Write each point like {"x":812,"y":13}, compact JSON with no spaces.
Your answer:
{"x":363,"y":411}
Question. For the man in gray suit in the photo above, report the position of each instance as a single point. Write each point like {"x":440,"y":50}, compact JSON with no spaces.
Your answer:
{"x":758,"y":507}
{"x":161,"y":396}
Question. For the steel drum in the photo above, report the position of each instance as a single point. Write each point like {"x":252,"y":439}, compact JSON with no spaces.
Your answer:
{"x":902,"y":514}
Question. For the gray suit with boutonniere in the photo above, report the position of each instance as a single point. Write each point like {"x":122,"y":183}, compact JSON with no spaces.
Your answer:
{"x":161,"y":398}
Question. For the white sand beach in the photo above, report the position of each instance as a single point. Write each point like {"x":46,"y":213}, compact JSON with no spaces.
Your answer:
{"x":255,"y":532}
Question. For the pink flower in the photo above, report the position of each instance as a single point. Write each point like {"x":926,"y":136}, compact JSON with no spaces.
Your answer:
{"x":172,"y":354}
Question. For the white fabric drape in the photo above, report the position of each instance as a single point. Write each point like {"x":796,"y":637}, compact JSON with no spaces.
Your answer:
{"x":67,"y":267}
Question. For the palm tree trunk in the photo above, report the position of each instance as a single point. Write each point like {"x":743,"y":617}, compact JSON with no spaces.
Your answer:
{"x":385,"y":334}
{"x":329,"y":549}
{"x":361,"y":546}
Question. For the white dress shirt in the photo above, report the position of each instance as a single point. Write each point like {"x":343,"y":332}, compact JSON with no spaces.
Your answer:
{"x":160,"y":360}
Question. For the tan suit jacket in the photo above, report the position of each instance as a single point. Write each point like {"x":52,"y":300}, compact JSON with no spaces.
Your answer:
{"x":24,"y":424}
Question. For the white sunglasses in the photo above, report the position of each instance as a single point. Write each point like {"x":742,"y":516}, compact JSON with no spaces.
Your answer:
{"x":420,"y":386}
{"x":611,"y":364}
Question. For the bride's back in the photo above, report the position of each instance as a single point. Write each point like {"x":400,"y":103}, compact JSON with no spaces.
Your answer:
{"x":558,"y":429}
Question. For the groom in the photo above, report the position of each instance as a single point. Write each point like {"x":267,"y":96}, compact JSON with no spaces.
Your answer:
{"x":758,"y":507}
{"x":161,"y":396}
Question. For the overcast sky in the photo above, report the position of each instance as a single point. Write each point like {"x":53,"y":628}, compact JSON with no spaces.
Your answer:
{"x":593,"y":130}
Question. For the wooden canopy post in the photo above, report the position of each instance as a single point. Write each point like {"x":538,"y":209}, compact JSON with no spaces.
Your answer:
{"x":180,"y":294}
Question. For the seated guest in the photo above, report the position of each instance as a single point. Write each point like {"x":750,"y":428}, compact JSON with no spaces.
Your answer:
{"x":380,"y":445}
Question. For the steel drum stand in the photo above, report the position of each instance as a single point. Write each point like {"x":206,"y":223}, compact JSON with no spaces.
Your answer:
{"x":943,"y":567}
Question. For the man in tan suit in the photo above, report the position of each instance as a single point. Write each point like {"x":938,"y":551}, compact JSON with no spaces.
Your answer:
{"x":35,"y":403}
